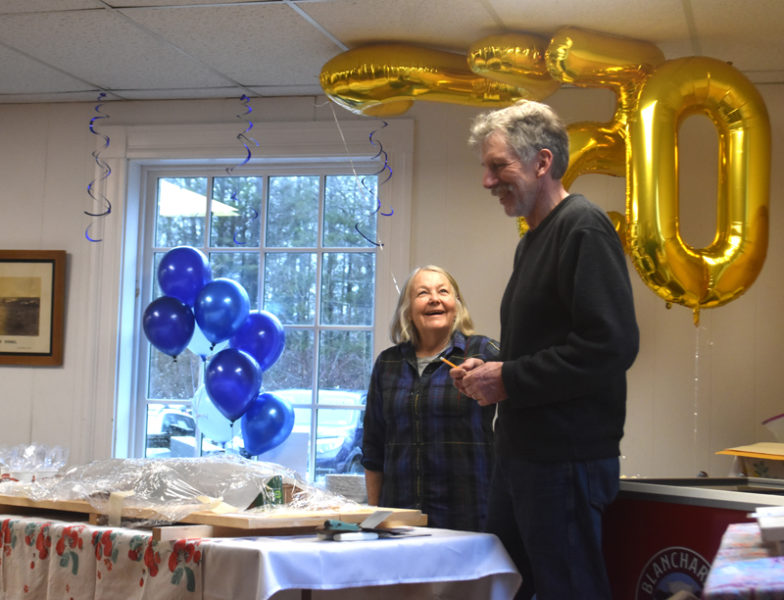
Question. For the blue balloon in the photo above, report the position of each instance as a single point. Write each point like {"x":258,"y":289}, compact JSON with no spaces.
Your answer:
{"x":221,"y":308}
{"x":262,"y":336}
{"x":202,"y":347}
{"x":232,"y":380}
{"x":266,"y":424}
{"x":168,"y":323}
{"x":182,"y":272}
{"x":210,"y":420}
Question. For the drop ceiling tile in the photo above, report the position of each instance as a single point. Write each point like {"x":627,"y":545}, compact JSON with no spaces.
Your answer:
{"x":183,"y":93}
{"x":445,"y":24}
{"x":640,"y":19}
{"x":22,"y":75}
{"x":256,"y":45}
{"x":27,"y":6}
{"x":86,"y":96}
{"x":103,"y":47}
{"x":149,"y":3}
{"x":747,"y":34}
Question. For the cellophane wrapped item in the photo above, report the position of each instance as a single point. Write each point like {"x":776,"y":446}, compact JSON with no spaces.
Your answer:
{"x":172,"y":488}
{"x":28,"y":462}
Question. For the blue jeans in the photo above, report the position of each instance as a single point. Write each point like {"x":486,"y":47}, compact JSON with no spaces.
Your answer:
{"x":549,"y":518}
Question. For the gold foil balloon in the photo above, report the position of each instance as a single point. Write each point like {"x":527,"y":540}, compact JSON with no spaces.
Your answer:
{"x":516,"y":59}
{"x":590,"y":59}
{"x":383,"y":80}
{"x":639,"y":141}
{"x":714,"y":275}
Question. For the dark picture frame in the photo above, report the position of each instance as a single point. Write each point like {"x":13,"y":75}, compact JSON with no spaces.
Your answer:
{"x":32,"y":302}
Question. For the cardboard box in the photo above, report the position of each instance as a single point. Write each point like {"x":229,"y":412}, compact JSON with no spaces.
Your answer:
{"x":763,"y":459}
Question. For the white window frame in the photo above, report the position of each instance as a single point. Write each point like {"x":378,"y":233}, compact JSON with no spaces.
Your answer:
{"x":134,"y":148}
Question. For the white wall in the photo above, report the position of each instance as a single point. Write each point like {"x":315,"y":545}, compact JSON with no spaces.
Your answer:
{"x":692,"y":391}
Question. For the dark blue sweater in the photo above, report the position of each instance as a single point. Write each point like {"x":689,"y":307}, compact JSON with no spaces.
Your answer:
{"x":568,"y":335}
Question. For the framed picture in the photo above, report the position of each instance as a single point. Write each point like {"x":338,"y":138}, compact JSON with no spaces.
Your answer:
{"x":32,"y":299}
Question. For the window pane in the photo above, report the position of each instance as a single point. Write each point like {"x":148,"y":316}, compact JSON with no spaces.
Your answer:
{"x":347,"y":284}
{"x":350,"y":202}
{"x":292,"y":212}
{"x":181,"y":207}
{"x":242,"y":267}
{"x":345,"y":360}
{"x":339,"y":431}
{"x":290,"y":287}
{"x":294,"y":453}
{"x":235,"y":211}
{"x":173,"y":379}
{"x":339,"y":441}
{"x":233,"y":446}
{"x":294,"y":368}
{"x":156,"y":288}
{"x":170,"y":431}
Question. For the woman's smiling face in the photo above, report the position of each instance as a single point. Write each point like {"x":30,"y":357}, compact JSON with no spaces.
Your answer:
{"x":433,"y":304}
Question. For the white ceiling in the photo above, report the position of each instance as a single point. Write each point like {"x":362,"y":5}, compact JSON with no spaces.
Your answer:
{"x":70,"y":50}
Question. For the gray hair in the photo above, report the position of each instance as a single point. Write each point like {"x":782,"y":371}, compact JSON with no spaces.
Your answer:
{"x":528,"y":128}
{"x":403,"y":330}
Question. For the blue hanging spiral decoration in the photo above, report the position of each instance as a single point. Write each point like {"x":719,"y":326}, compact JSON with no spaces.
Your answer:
{"x":246,"y":141}
{"x":103,"y":166}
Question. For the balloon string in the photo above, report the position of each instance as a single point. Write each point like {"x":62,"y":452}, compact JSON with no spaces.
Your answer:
{"x":246,"y":141}
{"x":105,"y":170}
{"x":361,"y":180}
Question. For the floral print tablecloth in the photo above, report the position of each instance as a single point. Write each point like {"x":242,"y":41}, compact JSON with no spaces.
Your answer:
{"x":45,"y":559}
{"x":55,"y":560}
{"x":744,"y":568}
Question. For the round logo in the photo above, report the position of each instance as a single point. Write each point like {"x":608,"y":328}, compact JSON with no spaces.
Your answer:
{"x":670,"y":571}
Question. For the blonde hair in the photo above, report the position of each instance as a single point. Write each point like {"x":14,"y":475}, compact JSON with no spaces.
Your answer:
{"x":402,"y":328}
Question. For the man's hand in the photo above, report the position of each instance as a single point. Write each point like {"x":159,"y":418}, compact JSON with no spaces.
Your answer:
{"x":458,"y":373}
{"x":480,"y":380}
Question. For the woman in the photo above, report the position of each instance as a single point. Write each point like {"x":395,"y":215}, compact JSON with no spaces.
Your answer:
{"x":426,"y":446}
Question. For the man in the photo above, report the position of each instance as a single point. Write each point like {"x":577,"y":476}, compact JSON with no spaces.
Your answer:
{"x":568,"y":335}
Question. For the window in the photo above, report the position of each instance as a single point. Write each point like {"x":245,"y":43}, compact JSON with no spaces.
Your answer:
{"x":292,"y":238}
{"x":297,"y":232}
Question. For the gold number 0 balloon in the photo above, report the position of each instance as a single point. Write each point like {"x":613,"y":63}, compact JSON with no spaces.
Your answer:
{"x":714,"y":275}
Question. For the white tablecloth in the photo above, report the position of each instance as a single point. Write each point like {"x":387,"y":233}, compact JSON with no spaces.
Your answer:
{"x":443,"y":564}
{"x":51,"y":560}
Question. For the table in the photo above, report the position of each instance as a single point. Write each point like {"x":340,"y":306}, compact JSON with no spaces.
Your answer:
{"x":51,"y":559}
{"x":745,"y":568}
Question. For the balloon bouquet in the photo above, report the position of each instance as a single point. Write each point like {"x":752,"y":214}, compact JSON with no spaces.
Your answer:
{"x":212,"y":318}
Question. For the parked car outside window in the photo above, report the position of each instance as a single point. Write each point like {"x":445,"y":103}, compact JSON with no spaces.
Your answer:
{"x":338,"y":432}
{"x":340,"y":414}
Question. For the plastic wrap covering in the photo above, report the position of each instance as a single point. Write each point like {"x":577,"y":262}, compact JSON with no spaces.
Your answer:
{"x":28,"y":462}
{"x":313,"y":498}
{"x":172,"y":488}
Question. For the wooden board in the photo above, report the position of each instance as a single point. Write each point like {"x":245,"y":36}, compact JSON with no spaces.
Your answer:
{"x":278,"y":521}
